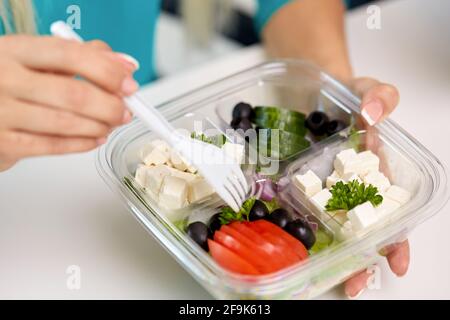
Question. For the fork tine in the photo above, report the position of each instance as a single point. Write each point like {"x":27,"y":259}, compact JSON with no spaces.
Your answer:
{"x":234,"y":193}
{"x":241,"y":179}
{"x":237,"y":185}
{"x":226,"y":195}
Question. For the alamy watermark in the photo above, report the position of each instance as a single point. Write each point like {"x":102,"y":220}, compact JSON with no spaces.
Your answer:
{"x":73,"y":281}
{"x":74,"y":18}
{"x":374,"y":19}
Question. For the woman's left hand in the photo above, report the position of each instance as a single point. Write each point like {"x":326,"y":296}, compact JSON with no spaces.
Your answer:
{"x":378,"y":100}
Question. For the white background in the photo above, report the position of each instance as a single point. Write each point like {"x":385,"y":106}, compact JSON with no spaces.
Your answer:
{"x":55,"y":212}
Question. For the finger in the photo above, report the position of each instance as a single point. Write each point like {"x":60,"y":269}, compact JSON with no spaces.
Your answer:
{"x":102,"y":67}
{"x":24,"y":144}
{"x":378,"y":99}
{"x":39,"y":119}
{"x":398,"y":258}
{"x":355,"y":286}
{"x":77,"y":96}
{"x":98,"y":44}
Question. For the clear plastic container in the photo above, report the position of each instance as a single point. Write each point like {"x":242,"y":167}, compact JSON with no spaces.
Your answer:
{"x":303,"y":87}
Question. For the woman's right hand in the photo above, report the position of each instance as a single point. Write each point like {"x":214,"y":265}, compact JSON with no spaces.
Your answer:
{"x":45,"y":109}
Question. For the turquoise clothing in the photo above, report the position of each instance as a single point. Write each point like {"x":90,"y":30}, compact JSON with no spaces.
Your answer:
{"x":126,"y":25}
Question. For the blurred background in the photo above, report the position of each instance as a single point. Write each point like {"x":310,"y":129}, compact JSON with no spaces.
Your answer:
{"x":194,"y":31}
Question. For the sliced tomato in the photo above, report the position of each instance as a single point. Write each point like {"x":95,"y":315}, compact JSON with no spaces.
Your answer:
{"x":283,"y":246}
{"x":250,"y":234}
{"x":261,"y":251}
{"x":266,"y":226}
{"x":229,"y":260}
{"x":244,"y":252}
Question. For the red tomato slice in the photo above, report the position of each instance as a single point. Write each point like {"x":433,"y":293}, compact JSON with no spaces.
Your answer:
{"x":283,"y":246}
{"x":266,"y":255}
{"x":296,"y":245}
{"x":244,"y":252}
{"x":229,"y":260}
{"x":275,"y":252}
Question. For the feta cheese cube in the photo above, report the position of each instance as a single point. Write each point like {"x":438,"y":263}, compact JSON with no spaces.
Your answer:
{"x":199,"y":190}
{"x":174,"y":193}
{"x":320,"y":200}
{"x":367,"y":162}
{"x":346,"y":231}
{"x":154,"y":177}
{"x":141,"y":175}
{"x":398,"y":194}
{"x":186,"y":176}
{"x":332,"y":179}
{"x":362,"y":216}
{"x":234,"y":151}
{"x":346,"y":161}
{"x":386,"y":207}
{"x":177,"y":161}
{"x":160,"y":144}
{"x":156,"y":156}
{"x":377,"y":179}
{"x":340,"y":216}
{"x":309,"y":183}
{"x":350,"y":176}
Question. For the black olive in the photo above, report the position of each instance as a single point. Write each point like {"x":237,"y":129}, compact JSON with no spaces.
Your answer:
{"x":302,"y":232}
{"x":242,"y":111}
{"x":335,"y":126}
{"x":280,"y":217}
{"x":317,"y":122}
{"x":198,"y":231}
{"x":214,"y":224}
{"x":243,"y":124}
{"x":258,"y":211}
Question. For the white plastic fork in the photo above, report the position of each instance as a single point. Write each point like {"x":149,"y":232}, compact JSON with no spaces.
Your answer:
{"x":219,"y":170}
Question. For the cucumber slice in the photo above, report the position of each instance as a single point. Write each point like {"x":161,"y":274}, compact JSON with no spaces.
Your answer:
{"x":285,"y":146}
{"x":277,"y":118}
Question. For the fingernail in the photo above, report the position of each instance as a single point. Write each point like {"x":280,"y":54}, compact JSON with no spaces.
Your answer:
{"x":128,"y":63}
{"x":129,"y":86}
{"x":129,"y":59}
{"x":372,"y":111}
{"x":126,"y":116}
{"x":101,"y":141}
{"x":356,"y":296}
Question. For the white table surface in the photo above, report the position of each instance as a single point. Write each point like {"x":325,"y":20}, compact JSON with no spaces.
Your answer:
{"x":56,"y":211}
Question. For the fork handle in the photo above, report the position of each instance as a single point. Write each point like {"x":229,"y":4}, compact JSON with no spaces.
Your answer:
{"x":153,"y":118}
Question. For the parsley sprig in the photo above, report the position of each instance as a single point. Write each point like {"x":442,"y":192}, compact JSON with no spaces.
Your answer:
{"x":228,"y":215}
{"x":346,"y":196}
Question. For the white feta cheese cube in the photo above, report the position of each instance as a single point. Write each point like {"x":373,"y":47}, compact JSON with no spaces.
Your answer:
{"x":340,"y":216}
{"x":160,"y":144}
{"x":362,"y":216}
{"x":234,"y":151}
{"x":177,"y":161}
{"x":309,"y":183}
{"x":386,"y":207}
{"x":173,"y":193}
{"x":398,"y":194}
{"x":156,"y":156}
{"x":186,"y":176}
{"x":332,"y":179}
{"x":154,"y":177}
{"x":346,"y":231}
{"x":320,"y":200}
{"x":346,"y":161}
{"x":367,"y":162}
{"x":377,"y":179}
{"x":141,"y":175}
{"x":199,"y":190}
{"x":350,"y":176}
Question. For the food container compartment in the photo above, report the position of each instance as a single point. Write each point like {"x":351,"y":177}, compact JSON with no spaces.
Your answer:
{"x":410,"y":165}
{"x":299,"y":88}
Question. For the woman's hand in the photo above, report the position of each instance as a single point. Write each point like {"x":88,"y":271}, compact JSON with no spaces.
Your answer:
{"x":378,"y":101}
{"x":45,"y":109}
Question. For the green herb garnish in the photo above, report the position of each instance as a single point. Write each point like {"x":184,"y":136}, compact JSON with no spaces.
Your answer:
{"x":217,"y":140}
{"x":346,"y":196}
{"x":227,"y":214}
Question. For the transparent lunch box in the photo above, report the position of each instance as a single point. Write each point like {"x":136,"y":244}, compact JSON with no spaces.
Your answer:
{"x":302,"y":87}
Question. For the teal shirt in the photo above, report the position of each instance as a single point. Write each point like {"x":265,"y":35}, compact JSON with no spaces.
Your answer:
{"x":126,"y":25}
